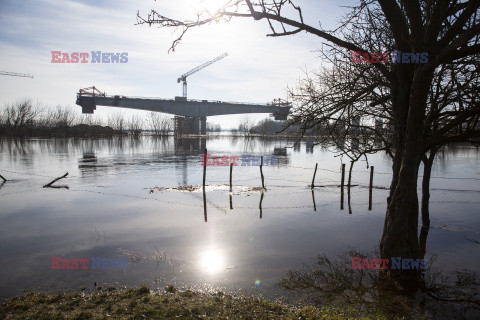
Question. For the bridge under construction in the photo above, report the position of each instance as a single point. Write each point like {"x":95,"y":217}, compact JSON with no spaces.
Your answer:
{"x":190,"y":115}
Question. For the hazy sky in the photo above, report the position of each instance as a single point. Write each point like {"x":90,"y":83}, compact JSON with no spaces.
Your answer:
{"x":258,"y":68}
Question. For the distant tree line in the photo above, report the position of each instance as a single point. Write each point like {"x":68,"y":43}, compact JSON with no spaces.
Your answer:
{"x":23,"y":118}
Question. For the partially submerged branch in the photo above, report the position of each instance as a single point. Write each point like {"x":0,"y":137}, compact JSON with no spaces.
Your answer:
{"x":49,"y":185}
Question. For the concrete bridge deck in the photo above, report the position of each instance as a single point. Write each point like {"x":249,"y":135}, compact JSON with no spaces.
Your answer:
{"x":191,"y":114}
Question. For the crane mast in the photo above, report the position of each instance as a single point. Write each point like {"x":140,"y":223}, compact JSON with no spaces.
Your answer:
{"x":183,"y":77}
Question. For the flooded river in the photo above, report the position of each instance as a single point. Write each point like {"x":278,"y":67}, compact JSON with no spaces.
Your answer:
{"x":127,"y":200}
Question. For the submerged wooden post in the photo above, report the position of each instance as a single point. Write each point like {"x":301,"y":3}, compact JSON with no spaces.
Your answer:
{"x":350,"y":174}
{"x":370,"y":189}
{"x":231,"y":169}
{"x":204,"y":167}
{"x":348,"y":186}
{"x":261,"y":172}
{"x":314,"y":173}
{"x":342,"y":195}
{"x":3,"y":178}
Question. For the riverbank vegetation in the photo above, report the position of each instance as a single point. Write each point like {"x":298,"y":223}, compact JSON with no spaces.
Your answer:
{"x":23,"y":119}
{"x":142,"y":303}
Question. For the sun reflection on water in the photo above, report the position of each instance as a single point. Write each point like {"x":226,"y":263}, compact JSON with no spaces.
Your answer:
{"x":212,"y":261}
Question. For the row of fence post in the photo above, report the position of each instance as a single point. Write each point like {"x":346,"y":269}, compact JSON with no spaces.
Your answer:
{"x":312,"y":186}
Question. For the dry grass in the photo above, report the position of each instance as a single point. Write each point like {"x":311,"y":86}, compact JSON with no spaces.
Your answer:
{"x":143,"y":304}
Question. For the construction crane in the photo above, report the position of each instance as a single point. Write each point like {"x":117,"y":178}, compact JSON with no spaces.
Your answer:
{"x":189,"y":73}
{"x":14,"y":74}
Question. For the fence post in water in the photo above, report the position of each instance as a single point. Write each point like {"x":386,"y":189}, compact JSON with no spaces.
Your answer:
{"x":204,"y":167}
{"x":370,"y":189}
{"x":341,"y":186}
{"x":350,"y":174}
{"x":314,"y":173}
{"x":4,"y":180}
{"x":231,"y":168}
{"x":348,"y":186}
{"x":261,"y":172}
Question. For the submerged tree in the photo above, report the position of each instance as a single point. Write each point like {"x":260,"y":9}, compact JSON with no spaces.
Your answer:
{"x":447,"y":30}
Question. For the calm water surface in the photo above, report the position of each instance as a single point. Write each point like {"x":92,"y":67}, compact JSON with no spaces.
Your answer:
{"x":113,"y":209}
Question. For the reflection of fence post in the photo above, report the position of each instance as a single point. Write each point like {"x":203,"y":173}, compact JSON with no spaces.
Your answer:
{"x":341,"y":186}
{"x":314,"y":204}
{"x":314,"y":173}
{"x":231,"y":168}
{"x":261,"y":172}
{"x":204,"y":167}
{"x":370,"y":189}
{"x":4,"y":180}
{"x":205,"y":205}
{"x":260,"y":205}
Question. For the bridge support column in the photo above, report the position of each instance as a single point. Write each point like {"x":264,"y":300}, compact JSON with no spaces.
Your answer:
{"x":203,"y":125}
{"x":195,"y":125}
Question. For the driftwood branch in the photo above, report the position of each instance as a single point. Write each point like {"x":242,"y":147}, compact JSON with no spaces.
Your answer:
{"x":3,"y":178}
{"x":49,"y":185}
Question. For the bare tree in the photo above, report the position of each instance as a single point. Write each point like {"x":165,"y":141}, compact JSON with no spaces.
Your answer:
{"x":20,"y":114}
{"x":61,"y":117}
{"x":447,"y":30}
{"x":246,"y":125}
{"x":135,"y":125}
{"x":117,"y":121}
{"x":90,"y":120}
{"x":160,"y":124}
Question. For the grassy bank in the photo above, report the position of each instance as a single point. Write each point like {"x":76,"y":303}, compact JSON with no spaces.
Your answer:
{"x":142,"y":303}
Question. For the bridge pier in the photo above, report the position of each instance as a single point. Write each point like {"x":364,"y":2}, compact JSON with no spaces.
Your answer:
{"x":203,"y":125}
{"x":195,"y":125}
{"x":190,"y":125}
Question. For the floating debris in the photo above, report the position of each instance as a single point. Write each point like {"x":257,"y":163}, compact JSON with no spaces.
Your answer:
{"x":237,"y":190}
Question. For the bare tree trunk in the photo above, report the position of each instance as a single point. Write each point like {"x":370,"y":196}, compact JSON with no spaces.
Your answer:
{"x":400,"y":233}
{"x":427,"y":172}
